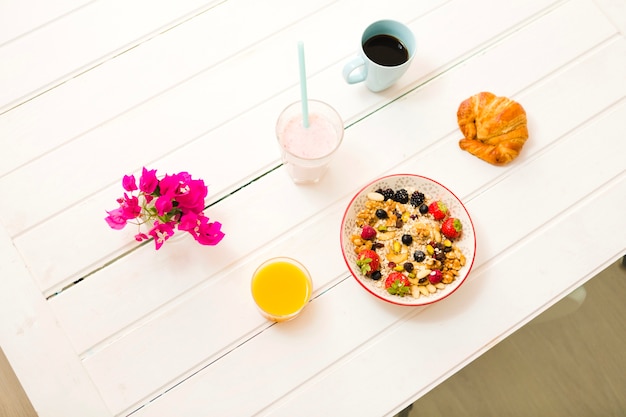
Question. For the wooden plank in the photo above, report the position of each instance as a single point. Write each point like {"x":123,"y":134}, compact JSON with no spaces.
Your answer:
{"x":49,"y":370}
{"x":76,"y":42}
{"x":159,"y":335}
{"x":19,"y":17}
{"x":615,"y":11}
{"x":181,"y":53}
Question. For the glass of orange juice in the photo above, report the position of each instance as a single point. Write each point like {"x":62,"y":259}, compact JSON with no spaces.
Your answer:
{"x":281,"y":288}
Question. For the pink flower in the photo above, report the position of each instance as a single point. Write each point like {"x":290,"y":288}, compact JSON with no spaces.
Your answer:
{"x":191,"y":195}
{"x":209,"y":233}
{"x":168,"y":184}
{"x":163,"y":204}
{"x":148,"y":181}
{"x":161,"y":232}
{"x":190,"y":222}
{"x":116,"y":219}
{"x":187,"y":192}
{"x":199,"y":226}
{"x":140,"y":237}
{"x":130,"y":207}
{"x":175,"y":200}
{"x":128,"y":182}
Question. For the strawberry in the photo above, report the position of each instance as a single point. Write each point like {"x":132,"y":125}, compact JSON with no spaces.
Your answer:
{"x":435,"y":276}
{"x":368,"y":261}
{"x":438,"y":209}
{"x":397,"y":284}
{"x":451,"y":228}
{"x":368,"y":232}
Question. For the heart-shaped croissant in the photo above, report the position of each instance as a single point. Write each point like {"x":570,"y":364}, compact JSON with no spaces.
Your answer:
{"x":495,"y":128}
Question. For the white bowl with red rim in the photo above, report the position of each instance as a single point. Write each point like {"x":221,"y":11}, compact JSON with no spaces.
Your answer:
{"x":433,"y":191}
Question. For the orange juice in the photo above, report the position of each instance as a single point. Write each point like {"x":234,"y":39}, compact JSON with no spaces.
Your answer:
{"x":281,"y":287}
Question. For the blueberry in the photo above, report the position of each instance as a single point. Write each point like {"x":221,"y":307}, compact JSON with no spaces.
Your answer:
{"x":381,"y":214}
{"x":407,"y":239}
{"x":376,"y":275}
{"x":419,"y":256}
{"x":423,"y":209}
{"x":408,"y":267}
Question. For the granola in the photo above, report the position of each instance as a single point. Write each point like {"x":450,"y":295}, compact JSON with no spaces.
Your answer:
{"x":402,"y":229}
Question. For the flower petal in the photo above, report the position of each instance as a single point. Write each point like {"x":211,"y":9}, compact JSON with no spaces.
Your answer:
{"x":161,"y":232}
{"x":210,"y":233}
{"x":116,"y":219}
{"x":163,"y":204}
{"x":148,"y":181}
{"x":129,"y":183}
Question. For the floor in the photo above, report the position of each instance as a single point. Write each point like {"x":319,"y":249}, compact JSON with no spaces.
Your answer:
{"x":557,"y":365}
{"x":13,"y":400}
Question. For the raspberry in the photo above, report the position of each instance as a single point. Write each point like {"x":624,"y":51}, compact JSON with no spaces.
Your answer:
{"x":368,"y":232}
{"x":435,"y":276}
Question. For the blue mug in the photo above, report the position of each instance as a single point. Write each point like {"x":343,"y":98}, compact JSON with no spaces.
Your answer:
{"x":387,"y":49}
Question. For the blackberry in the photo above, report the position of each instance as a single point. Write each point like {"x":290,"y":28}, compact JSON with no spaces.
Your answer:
{"x":387,"y":193}
{"x":417,"y":199}
{"x":401,"y":196}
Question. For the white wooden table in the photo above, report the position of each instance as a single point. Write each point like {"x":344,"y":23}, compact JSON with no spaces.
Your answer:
{"x":95,"y":324}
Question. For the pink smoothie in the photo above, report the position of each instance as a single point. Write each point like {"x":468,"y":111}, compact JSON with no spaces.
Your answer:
{"x":306,"y":152}
{"x":316,"y":141}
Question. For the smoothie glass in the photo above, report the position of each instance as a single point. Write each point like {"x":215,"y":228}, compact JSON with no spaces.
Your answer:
{"x":281,"y":288}
{"x":307,"y":151}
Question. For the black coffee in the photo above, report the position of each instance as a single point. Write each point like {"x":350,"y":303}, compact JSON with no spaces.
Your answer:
{"x":386,"y":50}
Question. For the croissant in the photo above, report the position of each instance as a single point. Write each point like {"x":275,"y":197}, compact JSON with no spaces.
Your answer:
{"x":495,"y":128}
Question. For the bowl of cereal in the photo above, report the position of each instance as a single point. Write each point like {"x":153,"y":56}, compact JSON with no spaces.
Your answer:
{"x":408,"y":240}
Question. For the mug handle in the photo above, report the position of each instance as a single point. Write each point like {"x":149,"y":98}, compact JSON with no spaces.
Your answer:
{"x":355,"y":71}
